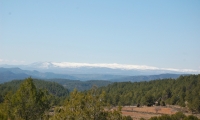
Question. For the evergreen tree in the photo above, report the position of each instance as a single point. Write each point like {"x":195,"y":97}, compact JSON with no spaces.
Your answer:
{"x":27,"y":103}
{"x":87,"y":106}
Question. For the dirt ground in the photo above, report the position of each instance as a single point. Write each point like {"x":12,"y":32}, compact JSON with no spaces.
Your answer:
{"x":147,"y":112}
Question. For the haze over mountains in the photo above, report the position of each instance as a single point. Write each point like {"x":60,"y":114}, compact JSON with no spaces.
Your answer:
{"x":86,"y":71}
{"x":87,"y":68}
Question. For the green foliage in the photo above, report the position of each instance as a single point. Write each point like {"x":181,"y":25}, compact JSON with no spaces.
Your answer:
{"x":87,"y":106}
{"x":142,"y":119}
{"x":178,"y":116}
{"x":191,"y":117}
{"x":57,"y":91}
{"x":52,"y":87}
{"x":80,"y":85}
{"x":149,"y":100}
{"x":27,"y":103}
{"x":3,"y":115}
{"x":183,"y":91}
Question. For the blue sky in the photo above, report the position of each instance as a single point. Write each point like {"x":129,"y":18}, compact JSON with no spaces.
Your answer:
{"x":156,"y":33}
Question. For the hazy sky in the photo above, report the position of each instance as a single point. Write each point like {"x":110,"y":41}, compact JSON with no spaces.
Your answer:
{"x":156,"y":33}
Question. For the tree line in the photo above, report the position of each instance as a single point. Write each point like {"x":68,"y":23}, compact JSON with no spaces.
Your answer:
{"x":183,"y":91}
{"x":32,"y":100}
{"x":80,"y":85}
{"x":31,"y":103}
{"x":57,"y":91}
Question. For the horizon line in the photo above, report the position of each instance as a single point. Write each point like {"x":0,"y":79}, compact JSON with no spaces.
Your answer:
{"x":47,"y":64}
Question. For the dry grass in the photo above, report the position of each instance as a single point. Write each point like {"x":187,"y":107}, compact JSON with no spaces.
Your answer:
{"x":146,"y":112}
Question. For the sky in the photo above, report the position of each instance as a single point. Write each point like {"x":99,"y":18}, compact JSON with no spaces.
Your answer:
{"x":160,"y":33}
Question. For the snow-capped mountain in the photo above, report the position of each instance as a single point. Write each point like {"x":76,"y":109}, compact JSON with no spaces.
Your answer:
{"x":103,"y":68}
{"x":86,"y":71}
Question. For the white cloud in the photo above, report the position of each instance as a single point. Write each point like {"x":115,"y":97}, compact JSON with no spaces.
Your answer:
{"x":102,"y":65}
{"x":181,"y":70}
{"x":119,"y":66}
{"x":112,"y":66}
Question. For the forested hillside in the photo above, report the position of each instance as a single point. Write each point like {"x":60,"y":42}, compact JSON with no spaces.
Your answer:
{"x":30,"y":103}
{"x":183,"y":91}
{"x":28,"y":99}
{"x":80,"y":85}
{"x":146,"y":77}
{"x":53,"y":88}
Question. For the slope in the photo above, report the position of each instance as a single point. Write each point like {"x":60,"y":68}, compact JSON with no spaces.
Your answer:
{"x":183,"y":91}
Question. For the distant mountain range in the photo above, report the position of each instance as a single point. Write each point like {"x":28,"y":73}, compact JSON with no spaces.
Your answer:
{"x":147,"y":77}
{"x":7,"y":74}
{"x":110,"y":69}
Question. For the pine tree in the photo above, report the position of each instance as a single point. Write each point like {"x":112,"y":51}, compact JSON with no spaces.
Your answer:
{"x":87,"y":106}
{"x":27,"y":103}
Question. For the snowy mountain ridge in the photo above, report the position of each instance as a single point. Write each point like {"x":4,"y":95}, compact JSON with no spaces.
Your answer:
{"x":50,"y":65}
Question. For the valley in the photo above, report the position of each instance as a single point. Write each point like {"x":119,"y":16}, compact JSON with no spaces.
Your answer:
{"x":141,"y":96}
{"x":99,"y":60}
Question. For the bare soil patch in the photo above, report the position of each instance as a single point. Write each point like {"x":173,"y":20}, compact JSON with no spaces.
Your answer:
{"x":147,"y":112}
